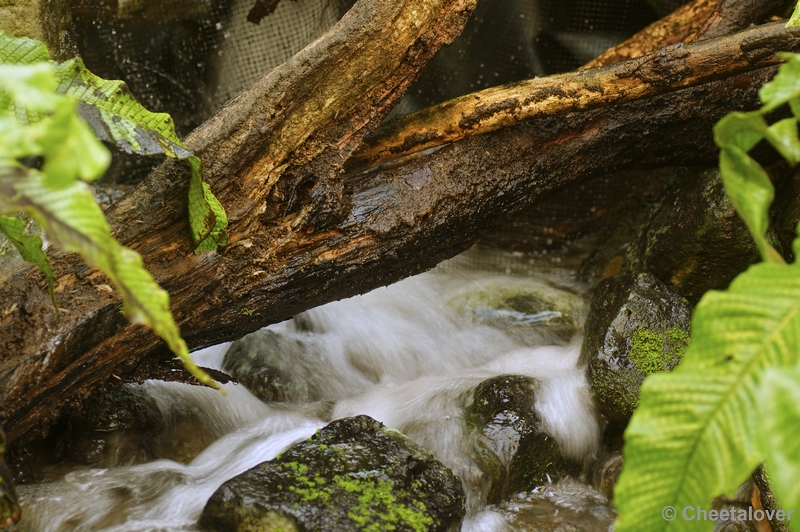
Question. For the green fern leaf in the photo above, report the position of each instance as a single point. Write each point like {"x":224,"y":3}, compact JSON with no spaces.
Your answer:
{"x":698,"y":432}
{"x":30,"y":247}
{"x":115,"y":116}
{"x":74,"y":221}
{"x":781,"y":412}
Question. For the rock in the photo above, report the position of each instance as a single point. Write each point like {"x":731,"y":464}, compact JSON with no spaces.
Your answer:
{"x":605,"y":472}
{"x":515,"y":452}
{"x":636,"y":327}
{"x":694,"y":240}
{"x":110,"y":429}
{"x":566,"y":506}
{"x":276,"y":367}
{"x":354,"y":474}
{"x":533,"y":312}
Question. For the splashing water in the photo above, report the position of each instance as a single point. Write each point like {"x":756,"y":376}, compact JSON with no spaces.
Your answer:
{"x":403,"y":355}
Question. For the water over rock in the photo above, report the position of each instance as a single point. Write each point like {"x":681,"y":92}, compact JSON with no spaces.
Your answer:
{"x":511,"y":445}
{"x":530,"y":311}
{"x":636,"y":326}
{"x":354,"y":474}
{"x":285,"y":368}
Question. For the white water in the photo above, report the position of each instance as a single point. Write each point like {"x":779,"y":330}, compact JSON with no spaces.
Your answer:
{"x":402,"y":355}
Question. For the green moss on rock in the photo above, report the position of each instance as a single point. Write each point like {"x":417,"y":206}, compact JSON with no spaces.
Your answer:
{"x":354,"y":474}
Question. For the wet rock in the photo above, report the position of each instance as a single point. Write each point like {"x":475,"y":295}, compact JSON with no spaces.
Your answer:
{"x":566,"y":506}
{"x":636,"y":326}
{"x":276,"y":367}
{"x":694,"y":240}
{"x":605,"y":472}
{"x":511,"y":445}
{"x":354,"y":474}
{"x":10,"y":511}
{"x":110,"y":429}
{"x":532,"y":312}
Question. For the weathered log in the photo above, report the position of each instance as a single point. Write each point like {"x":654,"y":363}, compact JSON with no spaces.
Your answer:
{"x":302,"y":236}
{"x":697,"y":20}
{"x":481,"y":112}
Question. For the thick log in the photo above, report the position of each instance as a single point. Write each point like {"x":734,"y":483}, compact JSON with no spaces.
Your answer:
{"x":482,"y":112}
{"x":301,"y":235}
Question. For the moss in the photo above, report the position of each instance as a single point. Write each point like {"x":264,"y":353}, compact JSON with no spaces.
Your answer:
{"x":379,"y":509}
{"x":652,"y":352}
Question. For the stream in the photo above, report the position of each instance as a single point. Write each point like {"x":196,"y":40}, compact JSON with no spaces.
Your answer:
{"x":403,"y":355}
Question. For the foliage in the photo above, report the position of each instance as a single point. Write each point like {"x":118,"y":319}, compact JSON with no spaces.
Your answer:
{"x":732,"y":403}
{"x":115,"y":116}
{"x":36,"y":121}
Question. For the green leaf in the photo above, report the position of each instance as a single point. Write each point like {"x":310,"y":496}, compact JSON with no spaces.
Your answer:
{"x":785,"y":86}
{"x":116,"y":116}
{"x":74,"y":221}
{"x":781,"y":413}
{"x":30,"y":247}
{"x":207,"y":218}
{"x":698,"y":432}
{"x":794,"y":20}
{"x":751,"y":192}
{"x":21,"y":50}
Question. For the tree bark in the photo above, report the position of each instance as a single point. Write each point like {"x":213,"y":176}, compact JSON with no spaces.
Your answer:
{"x":491,"y":109}
{"x":302,"y":235}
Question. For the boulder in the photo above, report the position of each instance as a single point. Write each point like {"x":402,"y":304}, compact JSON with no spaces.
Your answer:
{"x":283,"y":368}
{"x":354,"y":474}
{"x":531,"y":311}
{"x":694,"y":240}
{"x":636,"y":326}
{"x":512,"y":448}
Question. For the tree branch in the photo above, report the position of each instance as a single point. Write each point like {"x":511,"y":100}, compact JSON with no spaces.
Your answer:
{"x":482,"y":112}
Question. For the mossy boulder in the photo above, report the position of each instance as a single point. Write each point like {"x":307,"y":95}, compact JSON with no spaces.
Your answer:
{"x":513,"y":449}
{"x":694,"y":240}
{"x":354,"y":474}
{"x":533,"y":312}
{"x":278,"y":367}
{"x":636,"y":326}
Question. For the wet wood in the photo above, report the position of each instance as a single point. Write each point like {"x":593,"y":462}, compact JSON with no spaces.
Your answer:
{"x":302,"y":234}
{"x":697,"y":20}
{"x":666,"y":70}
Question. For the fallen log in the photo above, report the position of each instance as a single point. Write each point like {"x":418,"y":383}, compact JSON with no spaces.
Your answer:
{"x":302,"y":235}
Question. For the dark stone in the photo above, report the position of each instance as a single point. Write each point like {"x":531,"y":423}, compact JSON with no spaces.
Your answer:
{"x":636,"y":326}
{"x":354,"y":474}
{"x":120,"y":408}
{"x":275,"y":367}
{"x":512,"y":447}
{"x":694,"y":240}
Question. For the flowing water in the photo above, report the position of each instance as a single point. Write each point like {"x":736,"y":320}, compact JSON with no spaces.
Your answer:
{"x":403,"y":355}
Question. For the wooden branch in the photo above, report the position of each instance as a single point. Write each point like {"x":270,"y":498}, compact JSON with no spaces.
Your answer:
{"x":302,"y":236}
{"x":698,"y":20}
{"x":481,"y":112}
{"x":680,"y":26}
